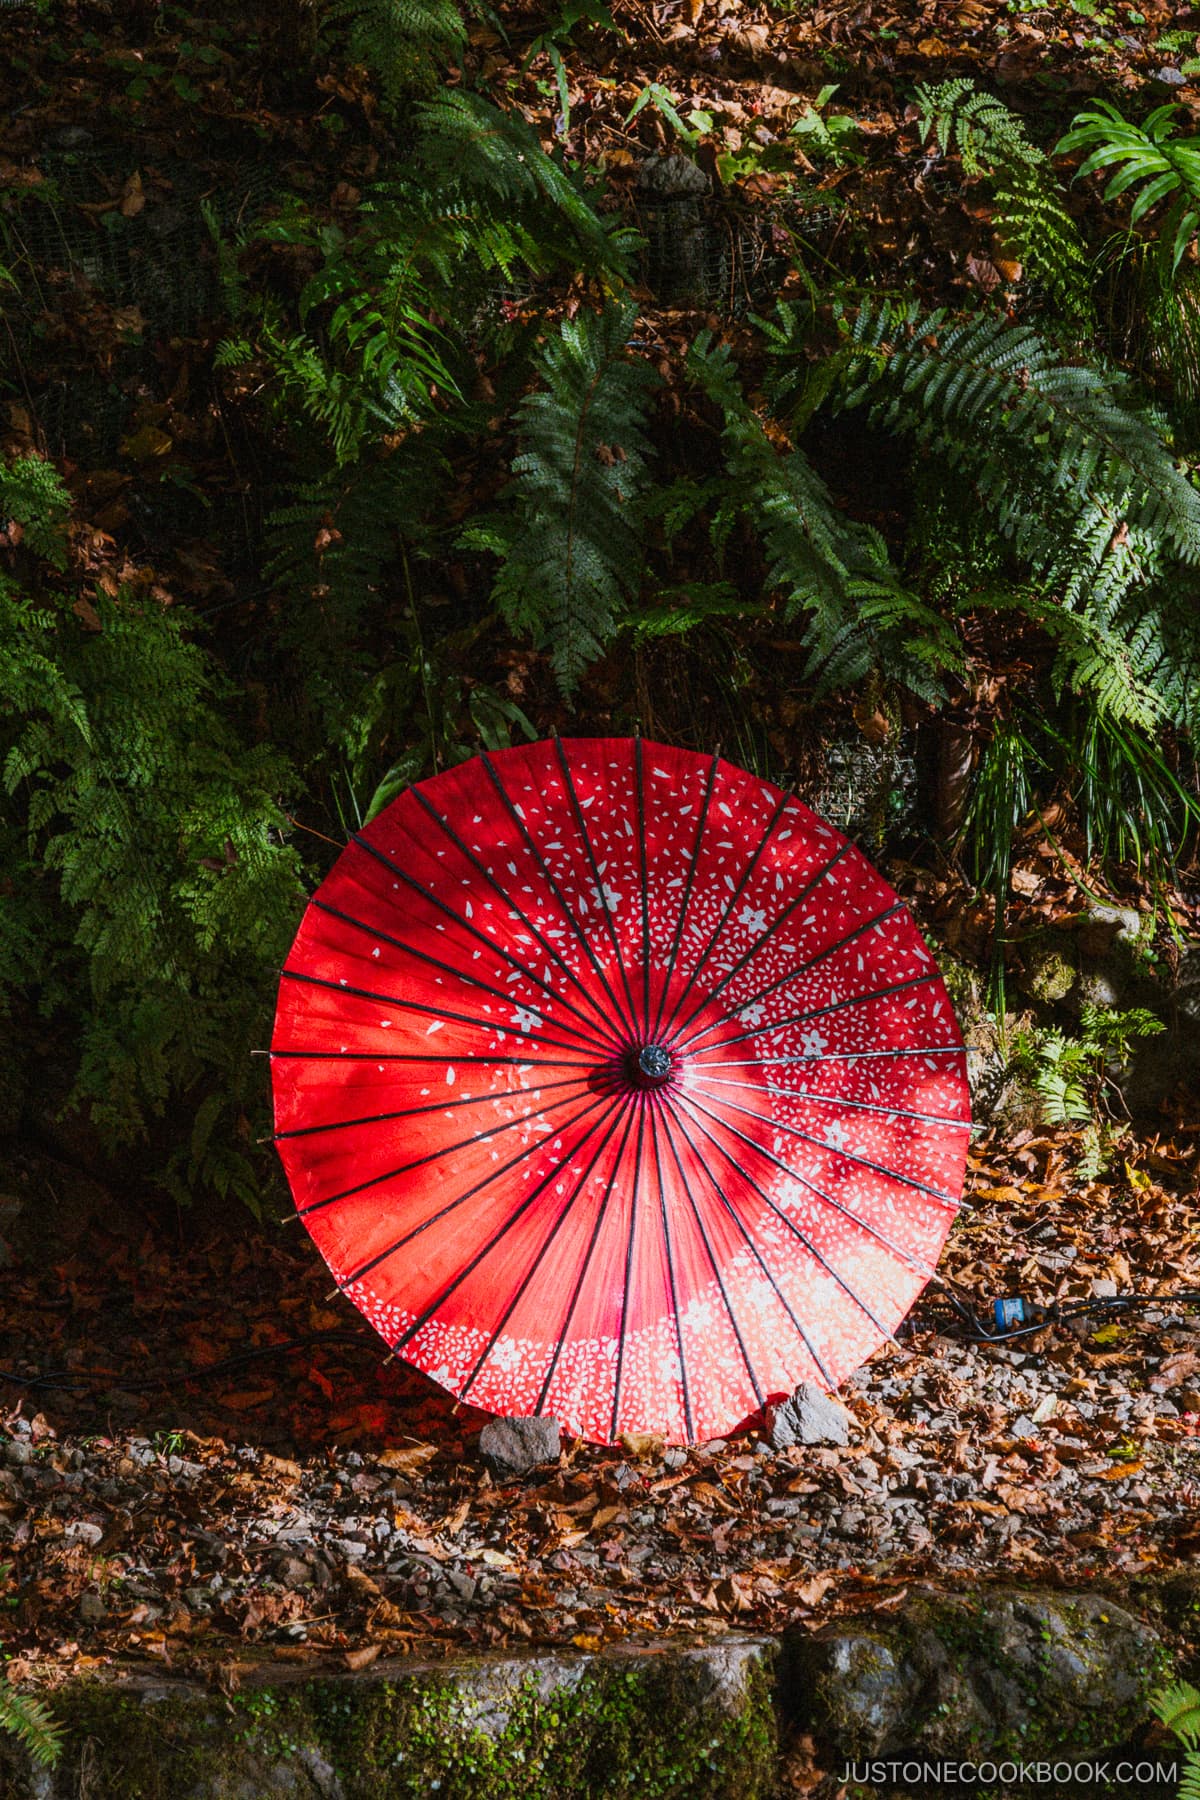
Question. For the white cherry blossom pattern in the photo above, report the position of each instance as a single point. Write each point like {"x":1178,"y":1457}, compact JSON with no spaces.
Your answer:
{"x":614,"y":1084}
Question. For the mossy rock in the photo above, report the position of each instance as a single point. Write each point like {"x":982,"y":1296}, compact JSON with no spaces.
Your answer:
{"x":678,"y":1723}
{"x":1049,"y":970}
{"x":1006,"y":1671}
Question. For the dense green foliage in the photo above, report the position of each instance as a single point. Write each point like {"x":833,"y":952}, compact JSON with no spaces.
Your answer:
{"x":150,"y":889}
{"x":470,"y":464}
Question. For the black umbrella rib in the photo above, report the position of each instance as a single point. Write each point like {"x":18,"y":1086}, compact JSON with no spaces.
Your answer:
{"x":477,"y":1021}
{"x":431,"y":1156}
{"x":452,"y":1205}
{"x":734,"y":897}
{"x":561,"y":1339}
{"x":756,"y":947}
{"x":820,"y":1012}
{"x":759,"y":1395}
{"x":922,"y":1269}
{"x":656,"y":1113}
{"x":481,"y":937}
{"x":781,"y":1062}
{"x":752,"y":1247}
{"x":581,"y":827}
{"x":796,"y":1231}
{"x":642,"y":1104}
{"x":463,"y":973}
{"x":807,"y":1138}
{"x":503,"y":893}
{"x":689,"y":880}
{"x":497,"y":1237}
{"x":641,"y":812}
{"x":434,"y":1106}
{"x":428,"y":1056}
{"x":772,"y":987}
{"x":566,"y":911}
{"x":872,"y":1106}
{"x":537,"y":1261}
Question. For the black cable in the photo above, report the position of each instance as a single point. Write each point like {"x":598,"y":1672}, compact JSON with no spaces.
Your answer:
{"x":1056,"y":1315}
{"x":77,"y":1386}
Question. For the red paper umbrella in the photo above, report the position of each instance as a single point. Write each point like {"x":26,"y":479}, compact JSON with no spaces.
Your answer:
{"x":613,"y":1084}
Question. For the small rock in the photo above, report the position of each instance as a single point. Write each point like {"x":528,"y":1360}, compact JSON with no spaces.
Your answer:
{"x":809,"y":1417}
{"x":83,"y":1531}
{"x":18,"y":1453}
{"x":70,"y":137}
{"x":92,"y":1610}
{"x":463,"y":1584}
{"x":515,"y":1446}
{"x":292,"y":1572}
{"x":1170,"y":77}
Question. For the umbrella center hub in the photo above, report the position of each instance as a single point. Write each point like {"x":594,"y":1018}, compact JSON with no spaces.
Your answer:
{"x":653,"y":1064}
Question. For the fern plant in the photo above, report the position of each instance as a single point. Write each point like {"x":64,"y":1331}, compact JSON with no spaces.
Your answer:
{"x":32,"y":1723}
{"x":832,"y":571}
{"x":405,"y":43}
{"x":569,"y":539}
{"x":1069,"y":463}
{"x":154,"y":887}
{"x":1075,"y":1076}
{"x":1030,"y":218}
{"x":360,"y":353}
{"x":1178,"y":1708}
{"x":1150,"y":157}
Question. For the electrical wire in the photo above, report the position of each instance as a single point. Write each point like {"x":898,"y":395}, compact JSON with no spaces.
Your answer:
{"x":1059,"y":1315}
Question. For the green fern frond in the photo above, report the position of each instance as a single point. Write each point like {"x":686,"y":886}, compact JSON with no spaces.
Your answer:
{"x":675,"y":612}
{"x":34,"y":496}
{"x":1178,"y":1708}
{"x":1069,"y":464}
{"x":404,"y":42}
{"x":31,"y":1720}
{"x":837,"y":572}
{"x":570,"y":541}
{"x":468,"y":145}
{"x":1030,"y":220}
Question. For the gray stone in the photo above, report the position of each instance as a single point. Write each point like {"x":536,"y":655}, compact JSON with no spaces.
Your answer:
{"x":703,"y":1707}
{"x":810,"y":1416}
{"x":463,"y":1584}
{"x":950,"y":1676}
{"x":512,"y":1447}
{"x":92,"y":1609}
{"x":18,"y":1453}
{"x":83,"y":1531}
{"x":1170,"y":77}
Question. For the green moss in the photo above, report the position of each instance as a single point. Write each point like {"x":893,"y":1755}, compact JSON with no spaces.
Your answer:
{"x":603,"y":1727}
{"x":1049,"y":972}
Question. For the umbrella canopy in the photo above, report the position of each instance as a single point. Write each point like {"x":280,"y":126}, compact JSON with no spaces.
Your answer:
{"x":613,"y":1084}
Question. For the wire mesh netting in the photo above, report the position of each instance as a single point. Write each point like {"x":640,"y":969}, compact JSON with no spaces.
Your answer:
{"x":869,"y":791}
{"x":135,"y":232}
{"x":710,"y":251}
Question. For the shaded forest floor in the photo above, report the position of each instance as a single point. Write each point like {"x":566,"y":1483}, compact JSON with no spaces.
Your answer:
{"x":315,"y":1504}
